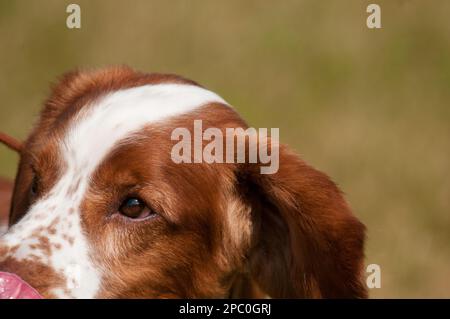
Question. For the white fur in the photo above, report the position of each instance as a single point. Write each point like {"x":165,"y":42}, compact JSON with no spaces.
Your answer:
{"x":94,"y":132}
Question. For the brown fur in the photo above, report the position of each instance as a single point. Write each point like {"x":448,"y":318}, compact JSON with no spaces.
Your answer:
{"x":6,"y":188}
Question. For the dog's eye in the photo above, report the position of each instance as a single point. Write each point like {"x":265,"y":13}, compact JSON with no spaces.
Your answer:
{"x":34,"y":186}
{"x":135,"y":208}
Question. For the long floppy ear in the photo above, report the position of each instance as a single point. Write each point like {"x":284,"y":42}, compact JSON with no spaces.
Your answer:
{"x":11,"y":142}
{"x":306,"y":241}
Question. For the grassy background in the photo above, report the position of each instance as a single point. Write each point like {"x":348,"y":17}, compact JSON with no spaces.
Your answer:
{"x":369,"y":107}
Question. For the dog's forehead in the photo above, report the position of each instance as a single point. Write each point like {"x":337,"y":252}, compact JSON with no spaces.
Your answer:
{"x":94,"y":131}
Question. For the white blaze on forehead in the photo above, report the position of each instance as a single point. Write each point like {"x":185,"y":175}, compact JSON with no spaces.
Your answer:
{"x":92,"y":134}
{"x":115,"y":116}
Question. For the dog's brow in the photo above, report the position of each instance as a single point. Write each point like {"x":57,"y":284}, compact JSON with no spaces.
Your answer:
{"x":98,"y":128}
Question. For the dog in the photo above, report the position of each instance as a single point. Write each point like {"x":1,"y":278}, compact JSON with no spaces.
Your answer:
{"x":99,"y":209}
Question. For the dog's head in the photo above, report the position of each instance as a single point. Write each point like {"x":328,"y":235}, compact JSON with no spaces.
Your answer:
{"x":101,"y":209}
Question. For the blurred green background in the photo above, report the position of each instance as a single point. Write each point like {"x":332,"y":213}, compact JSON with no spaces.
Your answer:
{"x":369,"y":107}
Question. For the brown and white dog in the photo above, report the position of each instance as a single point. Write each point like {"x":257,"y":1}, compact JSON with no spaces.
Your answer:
{"x":100,"y":210}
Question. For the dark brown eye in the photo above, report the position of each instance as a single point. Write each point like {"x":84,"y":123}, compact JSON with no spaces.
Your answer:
{"x":135,"y":208}
{"x":34,"y":186}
